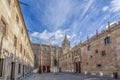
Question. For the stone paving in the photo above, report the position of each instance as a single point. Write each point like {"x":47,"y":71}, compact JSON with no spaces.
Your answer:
{"x":66,"y":76}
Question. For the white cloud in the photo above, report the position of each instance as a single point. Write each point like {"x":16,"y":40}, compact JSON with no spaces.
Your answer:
{"x":115,"y":5}
{"x":51,"y":37}
{"x":45,"y":35}
{"x":82,"y":17}
{"x":56,"y":13}
{"x":105,"y":8}
{"x":111,"y":24}
{"x":35,"y":34}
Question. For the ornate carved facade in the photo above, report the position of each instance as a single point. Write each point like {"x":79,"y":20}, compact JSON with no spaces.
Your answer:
{"x":45,"y":56}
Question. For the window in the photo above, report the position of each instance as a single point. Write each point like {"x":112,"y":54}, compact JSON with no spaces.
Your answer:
{"x":24,"y":51}
{"x":19,"y":69}
{"x":69,"y":56}
{"x":17,"y":19}
{"x":89,"y":47}
{"x":15,"y":41}
{"x":107,"y":40}
{"x":9,"y":1}
{"x":86,"y":63}
{"x":91,"y":56}
{"x":1,"y":67}
{"x":103,"y":53}
{"x":99,"y":65}
{"x":21,"y":48}
{"x":22,"y":30}
{"x":96,"y":51}
{"x":3,"y":26}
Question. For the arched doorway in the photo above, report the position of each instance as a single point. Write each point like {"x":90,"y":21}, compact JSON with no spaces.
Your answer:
{"x":77,"y":65}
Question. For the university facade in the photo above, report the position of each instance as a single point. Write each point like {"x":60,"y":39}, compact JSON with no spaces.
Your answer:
{"x":16,"y":56}
{"x":45,"y":57}
{"x":98,"y":55}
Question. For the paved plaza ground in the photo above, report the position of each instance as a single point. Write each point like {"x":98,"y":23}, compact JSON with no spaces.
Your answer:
{"x":66,"y":76}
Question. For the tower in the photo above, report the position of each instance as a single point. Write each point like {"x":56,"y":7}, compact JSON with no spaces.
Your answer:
{"x":65,"y":45}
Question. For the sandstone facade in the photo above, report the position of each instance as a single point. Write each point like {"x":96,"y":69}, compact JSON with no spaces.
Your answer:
{"x":98,"y":55}
{"x":45,"y":56}
{"x":16,"y":56}
{"x":101,"y":53}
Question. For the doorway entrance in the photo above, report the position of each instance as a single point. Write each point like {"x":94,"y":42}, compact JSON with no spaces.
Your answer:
{"x":78,"y":67}
{"x":12,"y":70}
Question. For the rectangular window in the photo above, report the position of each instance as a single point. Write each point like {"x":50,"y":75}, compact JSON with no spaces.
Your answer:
{"x":91,"y":56}
{"x":96,"y":51}
{"x":21,"y":48}
{"x":89,"y":47}
{"x":22,"y":30}
{"x":15,"y":41}
{"x":107,"y":40}
{"x":99,"y":65}
{"x":69,"y":56}
{"x":1,"y":67}
{"x":3,"y":26}
{"x":17,"y":19}
{"x":9,"y":1}
{"x":19,"y":69}
{"x":103,"y":53}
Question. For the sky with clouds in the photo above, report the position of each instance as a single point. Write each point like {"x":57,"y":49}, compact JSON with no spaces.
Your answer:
{"x":48,"y":20}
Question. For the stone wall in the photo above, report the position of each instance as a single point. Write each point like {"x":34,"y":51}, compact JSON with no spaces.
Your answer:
{"x":102,"y":58}
{"x":15,"y":46}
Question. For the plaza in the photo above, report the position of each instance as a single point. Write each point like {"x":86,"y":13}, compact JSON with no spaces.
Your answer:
{"x":66,"y":76}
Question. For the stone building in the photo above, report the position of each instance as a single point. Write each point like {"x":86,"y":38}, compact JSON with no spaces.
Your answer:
{"x":101,"y":53}
{"x":98,"y":55}
{"x":76,"y":60}
{"x":65,"y":59}
{"x":45,"y":56}
{"x":70,"y":59}
{"x":16,"y":56}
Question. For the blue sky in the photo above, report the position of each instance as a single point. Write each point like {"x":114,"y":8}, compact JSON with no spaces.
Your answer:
{"x":48,"y":20}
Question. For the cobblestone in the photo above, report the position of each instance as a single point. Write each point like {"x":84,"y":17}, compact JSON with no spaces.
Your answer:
{"x":66,"y":76}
